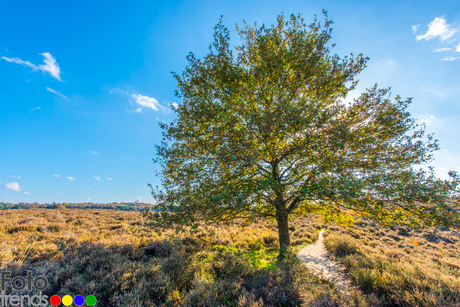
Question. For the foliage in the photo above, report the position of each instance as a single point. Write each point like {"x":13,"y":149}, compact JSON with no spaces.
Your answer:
{"x":266,"y":132}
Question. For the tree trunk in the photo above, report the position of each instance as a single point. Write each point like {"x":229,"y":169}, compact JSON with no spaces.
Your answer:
{"x":283,"y":232}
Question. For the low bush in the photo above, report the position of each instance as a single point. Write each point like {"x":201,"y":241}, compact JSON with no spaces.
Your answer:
{"x":341,"y":245}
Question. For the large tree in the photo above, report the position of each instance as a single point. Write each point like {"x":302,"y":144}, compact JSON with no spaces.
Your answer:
{"x":263,"y":130}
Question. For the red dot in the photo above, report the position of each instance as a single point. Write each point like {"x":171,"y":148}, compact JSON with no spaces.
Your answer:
{"x":55,"y":300}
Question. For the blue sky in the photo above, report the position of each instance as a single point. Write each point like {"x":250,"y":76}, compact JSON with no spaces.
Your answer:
{"x":83,"y":84}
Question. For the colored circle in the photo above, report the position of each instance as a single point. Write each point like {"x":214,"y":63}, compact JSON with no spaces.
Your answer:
{"x":67,"y":300}
{"x":91,"y":300}
{"x":78,"y":300}
{"x":55,"y":300}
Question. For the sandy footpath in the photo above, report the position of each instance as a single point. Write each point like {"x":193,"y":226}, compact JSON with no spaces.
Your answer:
{"x":317,"y":259}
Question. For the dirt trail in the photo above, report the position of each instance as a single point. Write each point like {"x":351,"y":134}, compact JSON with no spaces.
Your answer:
{"x":317,"y":258}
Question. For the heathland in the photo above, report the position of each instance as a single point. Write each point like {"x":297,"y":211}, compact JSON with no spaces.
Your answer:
{"x":116,"y":257}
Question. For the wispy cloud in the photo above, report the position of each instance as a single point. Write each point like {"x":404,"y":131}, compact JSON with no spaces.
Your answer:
{"x":56,"y":92}
{"x":175,"y":105}
{"x":94,"y":152}
{"x":138,"y":110}
{"x":109,"y":178}
{"x":13,"y":186}
{"x":97,"y":178}
{"x":438,"y":27}
{"x":50,"y":66}
{"x":88,"y":198}
{"x":144,"y":101}
{"x":27,"y":193}
{"x":118,"y":91}
{"x":70,"y":178}
{"x":415,"y":28}
{"x":148,"y":102}
{"x":88,"y":187}
{"x":458,"y":48}
{"x":19,"y":177}
{"x":37,"y":108}
{"x":441,"y":50}
{"x":58,"y":176}
{"x":428,"y":119}
{"x":450,"y":58}
{"x":140,"y":197}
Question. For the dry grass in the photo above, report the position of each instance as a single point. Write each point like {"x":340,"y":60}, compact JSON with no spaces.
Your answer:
{"x":112,"y":255}
{"x":399,"y":266}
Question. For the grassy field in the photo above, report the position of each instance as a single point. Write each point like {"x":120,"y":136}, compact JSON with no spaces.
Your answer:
{"x":114,"y":256}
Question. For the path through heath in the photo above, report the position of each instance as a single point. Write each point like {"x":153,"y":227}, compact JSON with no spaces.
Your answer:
{"x":317,"y":258}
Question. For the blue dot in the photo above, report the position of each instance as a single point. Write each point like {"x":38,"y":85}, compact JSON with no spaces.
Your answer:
{"x":79,"y":300}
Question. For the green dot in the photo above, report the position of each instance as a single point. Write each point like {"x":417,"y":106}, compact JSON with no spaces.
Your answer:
{"x":90,"y":300}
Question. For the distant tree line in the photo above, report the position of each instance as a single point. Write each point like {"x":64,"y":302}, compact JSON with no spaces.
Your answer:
{"x":135,"y":206}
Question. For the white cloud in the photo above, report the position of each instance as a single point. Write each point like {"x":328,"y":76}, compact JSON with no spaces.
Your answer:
{"x":56,"y":92}
{"x":37,"y":108}
{"x":415,"y":28}
{"x":58,"y":176}
{"x":144,"y":101}
{"x":140,"y":197}
{"x":94,"y":152}
{"x":458,"y":48}
{"x":50,"y":66}
{"x":174,"y":104}
{"x":427,"y":119}
{"x":147,"y":102}
{"x":97,"y":178}
{"x":118,"y":91}
{"x":138,"y":110}
{"x":27,"y":193}
{"x":109,"y":178}
{"x":57,"y":194}
{"x":438,"y":27}
{"x":441,"y":50}
{"x":13,"y":186}
{"x":19,"y":177}
{"x":88,"y":187}
{"x":70,"y":178}
{"x":88,"y":198}
{"x":450,"y":58}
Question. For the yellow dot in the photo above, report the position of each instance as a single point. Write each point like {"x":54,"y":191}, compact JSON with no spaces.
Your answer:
{"x":67,"y":300}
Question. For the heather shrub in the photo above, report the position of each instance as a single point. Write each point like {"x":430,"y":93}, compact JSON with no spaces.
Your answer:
{"x":123,"y":263}
{"x":111,"y":255}
{"x":407,"y":270}
{"x":341,"y":245}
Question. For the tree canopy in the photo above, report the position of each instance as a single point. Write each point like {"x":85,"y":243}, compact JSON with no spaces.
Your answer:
{"x":263,"y":129}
